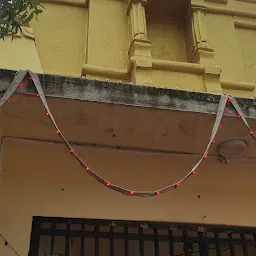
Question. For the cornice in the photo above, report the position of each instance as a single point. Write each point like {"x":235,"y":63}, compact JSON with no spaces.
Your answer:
{"x":218,"y":1}
{"x":247,"y":1}
{"x":225,"y":11}
{"x":76,"y":3}
{"x":245,"y":24}
{"x":71,"y":88}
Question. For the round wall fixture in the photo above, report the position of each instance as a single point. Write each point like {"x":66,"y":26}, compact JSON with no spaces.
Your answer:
{"x":232,"y":148}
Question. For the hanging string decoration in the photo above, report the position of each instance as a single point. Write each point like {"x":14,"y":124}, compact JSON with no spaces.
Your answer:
{"x":224,"y":99}
{"x":7,"y":244}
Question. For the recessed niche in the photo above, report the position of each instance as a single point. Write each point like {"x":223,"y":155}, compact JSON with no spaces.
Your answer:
{"x":166,"y":28}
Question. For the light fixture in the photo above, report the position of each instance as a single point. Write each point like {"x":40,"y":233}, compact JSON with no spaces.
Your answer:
{"x":232,"y":148}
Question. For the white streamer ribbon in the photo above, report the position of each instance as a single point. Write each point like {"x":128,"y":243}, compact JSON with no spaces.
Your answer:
{"x":19,"y":76}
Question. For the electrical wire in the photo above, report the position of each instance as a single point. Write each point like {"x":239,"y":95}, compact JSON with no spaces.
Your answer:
{"x":6,"y":243}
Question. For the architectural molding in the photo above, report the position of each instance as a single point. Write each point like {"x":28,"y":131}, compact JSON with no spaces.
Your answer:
{"x":140,"y":48}
{"x":245,"y":24}
{"x":76,"y":3}
{"x":218,"y":1}
{"x":199,"y":32}
{"x":130,"y":2}
{"x":225,"y":11}
{"x":212,"y":79}
{"x":203,"y":56}
{"x":141,"y":59}
{"x":237,"y":85}
{"x":191,"y":68}
{"x":137,"y":19}
{"x":71,"y":88}
{"x":211,"y":73}
{"x":89,"y":69}
{"x":247,"y":1}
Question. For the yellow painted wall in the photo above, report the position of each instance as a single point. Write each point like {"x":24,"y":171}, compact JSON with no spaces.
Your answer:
{"x":246,"y":39}
{"x":178,"y":80}
{"x":32,"y":186}
{"x":60,"y":37}
{"x":227,"y":51}
{"x":68,"y":40}
{"x":94,"y":39}
{"x":108,"y":41}
{"x":20,"y":53}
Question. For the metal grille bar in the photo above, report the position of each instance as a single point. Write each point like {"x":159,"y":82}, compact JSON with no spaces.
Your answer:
{"x":141,"y":241}
{"x":194,"y":239}
{"x":126,"y":242}
{"x":254,"y":237}
{"x":53,"y":227}
{"x":231,"y":246}
{"x":185,"y":241}
{"x":171,"y":245}
{"x":244,"y":245}
{"x":82,"y":241}
{"x":217,"y":243}
{"x":111,"y":247}
{"x":156,"y":242}
{"x":97,"y":244}
{"x":67,"y":239}
{"x":201,"y":243}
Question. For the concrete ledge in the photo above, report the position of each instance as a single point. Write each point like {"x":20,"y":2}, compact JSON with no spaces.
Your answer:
{"x":125,"y":94}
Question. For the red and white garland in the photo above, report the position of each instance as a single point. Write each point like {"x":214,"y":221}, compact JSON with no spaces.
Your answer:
{"x":19,"y":77}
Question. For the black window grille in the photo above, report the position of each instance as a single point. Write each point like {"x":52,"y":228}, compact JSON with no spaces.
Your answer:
{"x":52,"y":236}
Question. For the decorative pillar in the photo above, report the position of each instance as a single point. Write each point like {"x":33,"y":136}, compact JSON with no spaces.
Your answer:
{"x":137,"y":19}
{"x":140,"y":48}
{"x":202,"y":53}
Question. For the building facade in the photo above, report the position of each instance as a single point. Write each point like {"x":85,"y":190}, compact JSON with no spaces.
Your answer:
{"x":134,"y":86}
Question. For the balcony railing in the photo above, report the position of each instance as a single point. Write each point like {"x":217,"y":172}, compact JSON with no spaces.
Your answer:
{"x":81,"y":237}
